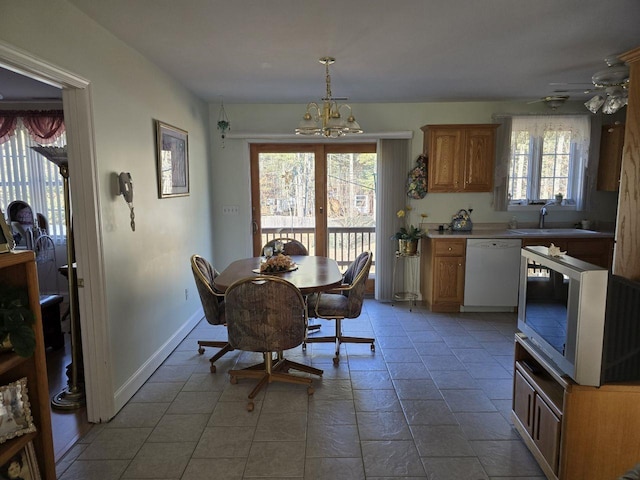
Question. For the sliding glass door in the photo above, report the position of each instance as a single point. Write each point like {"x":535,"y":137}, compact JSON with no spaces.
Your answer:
{"x":322,"y":195}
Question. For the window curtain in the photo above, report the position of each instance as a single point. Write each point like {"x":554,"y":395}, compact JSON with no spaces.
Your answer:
{"x":44,"y":126}
{"x":28,"y":176}
{"x":503,"y":157}
{"x":393,"y":161}
{"x":8,"y":122}
{"x":536,"y":125}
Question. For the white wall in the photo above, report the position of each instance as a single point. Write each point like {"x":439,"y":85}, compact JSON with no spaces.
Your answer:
{"x":231,"y":163}
{"x":147,"y":271}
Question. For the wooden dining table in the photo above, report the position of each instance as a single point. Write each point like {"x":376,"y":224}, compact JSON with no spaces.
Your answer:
{"x":313,"y":273}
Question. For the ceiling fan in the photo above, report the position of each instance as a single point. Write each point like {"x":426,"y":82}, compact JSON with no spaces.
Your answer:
{"x":610,"y":86}
{"x":552,"y":101}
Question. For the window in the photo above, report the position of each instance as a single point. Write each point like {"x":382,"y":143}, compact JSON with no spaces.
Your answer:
{"x":28,"y":176}
{"x":548,"y":156}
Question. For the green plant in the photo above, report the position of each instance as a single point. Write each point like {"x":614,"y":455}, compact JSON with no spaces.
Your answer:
{"x":408,"y":232}
{"x":16,"y":320}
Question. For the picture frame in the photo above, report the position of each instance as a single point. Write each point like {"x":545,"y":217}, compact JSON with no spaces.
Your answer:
{"x":172,"y":152}
{"x":22,"y":465}
{"x":15,"y":410}
{"x":7,"y":242}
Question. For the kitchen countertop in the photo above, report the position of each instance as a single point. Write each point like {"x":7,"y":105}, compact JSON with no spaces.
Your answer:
{"x":519,"y":233}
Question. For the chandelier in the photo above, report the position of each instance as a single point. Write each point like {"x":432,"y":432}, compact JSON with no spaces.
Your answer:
{"x":325,"y":119}
{"x":615,"y":80}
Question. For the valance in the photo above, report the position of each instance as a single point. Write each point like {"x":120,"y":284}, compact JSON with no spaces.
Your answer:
{"x":44,"y":126}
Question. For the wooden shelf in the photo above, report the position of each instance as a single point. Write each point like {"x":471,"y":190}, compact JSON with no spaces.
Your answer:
{"x":19,"y":269}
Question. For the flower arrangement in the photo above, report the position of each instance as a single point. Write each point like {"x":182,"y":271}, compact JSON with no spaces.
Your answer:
{"x":408,"y":232}
{"x":277,"y":263}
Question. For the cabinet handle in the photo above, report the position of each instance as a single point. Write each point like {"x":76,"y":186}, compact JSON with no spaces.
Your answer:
{"x":538,"y":423}
{"x":449,"y":248}
{"x":528,"y":410}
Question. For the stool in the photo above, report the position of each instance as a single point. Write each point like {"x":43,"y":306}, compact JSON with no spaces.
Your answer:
{"x":50,"y":310}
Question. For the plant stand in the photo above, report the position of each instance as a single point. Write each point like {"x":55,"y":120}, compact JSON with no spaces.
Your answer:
{"x":405,"y":278}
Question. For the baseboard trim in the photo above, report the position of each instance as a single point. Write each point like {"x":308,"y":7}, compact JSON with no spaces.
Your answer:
{"x":133,"y":384}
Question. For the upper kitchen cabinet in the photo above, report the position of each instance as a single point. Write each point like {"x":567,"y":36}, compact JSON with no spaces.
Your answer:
{"x":611,"y":143}
{"x":460,"y":157}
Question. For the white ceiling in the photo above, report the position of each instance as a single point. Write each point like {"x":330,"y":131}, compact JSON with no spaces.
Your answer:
{"x":267,"y":51}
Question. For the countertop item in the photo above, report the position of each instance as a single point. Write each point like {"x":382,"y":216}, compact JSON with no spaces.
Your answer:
{"x":520,"y":233}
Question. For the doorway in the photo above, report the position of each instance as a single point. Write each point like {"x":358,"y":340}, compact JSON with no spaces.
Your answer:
{"x":323,"y":195}
{"x":83,"y":176}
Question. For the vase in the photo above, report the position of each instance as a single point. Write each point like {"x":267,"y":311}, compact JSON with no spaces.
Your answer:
{"x":407,"y":247}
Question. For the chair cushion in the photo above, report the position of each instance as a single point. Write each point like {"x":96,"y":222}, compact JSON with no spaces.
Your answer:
{"x":332,"y":305}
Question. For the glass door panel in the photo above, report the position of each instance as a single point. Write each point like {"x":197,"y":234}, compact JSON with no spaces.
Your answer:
{"x":351,"y":204}
{"x":287,"y":197}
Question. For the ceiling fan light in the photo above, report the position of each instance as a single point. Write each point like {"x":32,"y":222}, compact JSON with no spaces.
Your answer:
{"x":595,"y":103}
{"x":613,"y":104}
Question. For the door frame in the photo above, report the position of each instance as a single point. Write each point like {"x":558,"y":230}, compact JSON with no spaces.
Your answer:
{"x":83,"y":180}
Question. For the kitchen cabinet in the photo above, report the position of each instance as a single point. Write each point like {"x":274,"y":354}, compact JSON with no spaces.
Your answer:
{"x":598,"y":251}
{"x":461,"y":157}
{"x":573,"y":431}
{"x":443,"y":274}
{"x":610,"y":163}
{"x":19,"y":269}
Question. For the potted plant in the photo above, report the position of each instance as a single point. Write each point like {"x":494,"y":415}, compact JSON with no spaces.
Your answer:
{"x":408,"y":235}
{"x":16,"y":320}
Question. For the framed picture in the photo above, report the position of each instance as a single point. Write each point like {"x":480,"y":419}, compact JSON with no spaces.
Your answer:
{"x":23,"y":465}
{"x":173,"y":161}
{"x":6,"y":237}
{"x":15,"y":411}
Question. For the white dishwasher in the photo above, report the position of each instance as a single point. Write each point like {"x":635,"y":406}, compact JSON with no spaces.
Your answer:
{"x":492,"y":274}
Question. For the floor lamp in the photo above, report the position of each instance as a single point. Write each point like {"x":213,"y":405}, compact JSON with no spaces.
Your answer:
{"x":73,"y":395}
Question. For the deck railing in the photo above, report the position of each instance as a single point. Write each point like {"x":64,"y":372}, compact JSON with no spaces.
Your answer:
{"x":345,"y":243}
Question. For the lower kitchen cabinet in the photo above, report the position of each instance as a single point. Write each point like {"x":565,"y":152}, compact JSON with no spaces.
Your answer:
{"x":598,"y":251}
{"x":443,"y":273}
{"x":575,"y":432}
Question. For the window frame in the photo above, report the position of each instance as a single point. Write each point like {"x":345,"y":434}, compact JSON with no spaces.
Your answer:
{"x":578,"y":161}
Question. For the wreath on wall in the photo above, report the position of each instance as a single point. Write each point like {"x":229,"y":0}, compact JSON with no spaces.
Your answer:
{"x":417,"y":179}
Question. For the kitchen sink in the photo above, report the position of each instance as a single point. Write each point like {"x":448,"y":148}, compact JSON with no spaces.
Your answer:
{"x":550,"y":231}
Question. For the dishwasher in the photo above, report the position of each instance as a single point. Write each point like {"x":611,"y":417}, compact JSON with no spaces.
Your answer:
{"x":492,"y":275}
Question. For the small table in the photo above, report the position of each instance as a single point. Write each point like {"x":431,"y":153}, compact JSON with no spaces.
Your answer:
{"x":409,"y":290}
{"x":314,"y":274}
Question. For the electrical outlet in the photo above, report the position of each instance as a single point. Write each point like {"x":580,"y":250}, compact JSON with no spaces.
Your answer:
{"x":186,"y":294}
{"x":230,"y":210}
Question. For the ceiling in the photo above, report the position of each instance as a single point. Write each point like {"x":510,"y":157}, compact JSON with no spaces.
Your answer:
{"x":251,"y":51}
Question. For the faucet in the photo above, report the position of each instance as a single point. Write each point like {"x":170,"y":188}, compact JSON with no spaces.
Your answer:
{"x":543,"y":213}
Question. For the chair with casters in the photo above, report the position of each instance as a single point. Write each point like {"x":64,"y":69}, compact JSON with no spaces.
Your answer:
{"x":212,"y":304}
{"x":290,"y":246}
{"x":343,"y":302}
{"x":267,"y":314}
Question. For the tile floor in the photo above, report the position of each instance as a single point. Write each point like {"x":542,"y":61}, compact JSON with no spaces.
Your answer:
{"x":432,"y":402}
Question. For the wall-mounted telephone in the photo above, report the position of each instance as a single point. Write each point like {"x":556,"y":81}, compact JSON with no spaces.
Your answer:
{"x":126,"y":190}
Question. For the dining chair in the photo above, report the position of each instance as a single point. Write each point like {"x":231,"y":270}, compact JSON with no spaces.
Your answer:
{"x":341,"y":303}
{"x":267,"y":314}
{"x":290,"y":246}
{"x":212,"y":304}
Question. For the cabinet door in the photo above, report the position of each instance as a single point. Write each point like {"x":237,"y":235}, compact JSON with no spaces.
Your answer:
{"x":523,"y":398}
{"x":609,"y":165}
{"x":546,"y":433}
{"x":444,"y":159}
{"x":478,"y":159}
{"x":448,"y":280}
